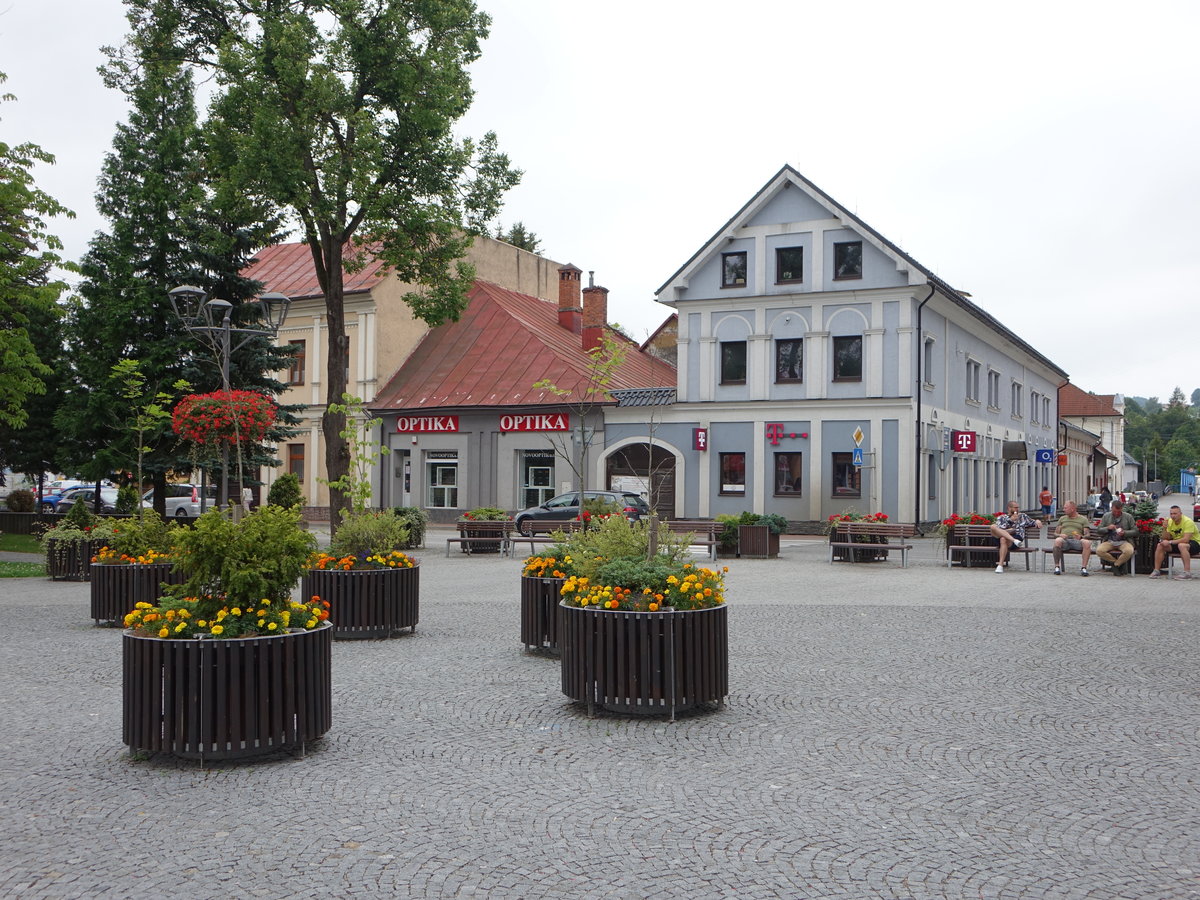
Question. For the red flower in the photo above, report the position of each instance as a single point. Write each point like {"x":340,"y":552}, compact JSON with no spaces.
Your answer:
{"x":223,"y":417}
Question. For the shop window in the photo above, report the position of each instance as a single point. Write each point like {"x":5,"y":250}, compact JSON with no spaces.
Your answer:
{"x":788,"y":470}
{"x":789,"y":361}
{"x":733,"y":473}
{"x":441,"y":482}
{"x":847,"y":477}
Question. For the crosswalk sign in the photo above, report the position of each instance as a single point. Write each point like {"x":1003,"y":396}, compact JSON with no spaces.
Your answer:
{"x":858,"y":456}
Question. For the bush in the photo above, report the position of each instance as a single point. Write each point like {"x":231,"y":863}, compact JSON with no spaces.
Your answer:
{"x":618,"y":538}
{"x":727,"y":537}
{"x":128,"y":499}
{"x":22,"y":501}
{"x":135,"y":540}
{"x":285,"y":492}
{"x":416,"y":519}
{"x":485,"y":514}
{"x":365,"y":534}
{"x":80,"y":516}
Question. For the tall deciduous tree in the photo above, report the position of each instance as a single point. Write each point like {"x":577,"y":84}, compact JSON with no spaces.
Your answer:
{"x":27,"y":259}
{"x":341,"y":113}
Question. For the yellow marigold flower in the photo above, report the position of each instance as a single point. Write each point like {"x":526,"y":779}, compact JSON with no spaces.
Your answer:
{"x":217,"y":629}
{"x":181,"y":626}
{"x":671,"y":579}
{"x":143,"y":605}
{"x":653,"y":607}
{"x":311,"y":623}
{"x":272,"y":626}
{"x":236,"y":611}
{"x":163,"y":632}
{"x":202,"y":623}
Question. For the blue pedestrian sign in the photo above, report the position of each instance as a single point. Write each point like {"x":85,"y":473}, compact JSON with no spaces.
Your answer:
{"x":858,"y":456}
{"x":1044,"y":456}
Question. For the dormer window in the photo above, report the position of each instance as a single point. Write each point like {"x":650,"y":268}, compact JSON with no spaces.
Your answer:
{"x":733,"y":269}
{"x":847,"y":260}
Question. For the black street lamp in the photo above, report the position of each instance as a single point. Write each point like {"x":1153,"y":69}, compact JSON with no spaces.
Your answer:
{"x":212,"y":322}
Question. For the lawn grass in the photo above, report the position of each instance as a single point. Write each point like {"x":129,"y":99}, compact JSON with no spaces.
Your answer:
{"x":22,"y":570}
{"x":21,"y":543}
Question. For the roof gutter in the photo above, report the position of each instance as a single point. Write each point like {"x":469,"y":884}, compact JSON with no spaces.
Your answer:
{"x":919,"y":350}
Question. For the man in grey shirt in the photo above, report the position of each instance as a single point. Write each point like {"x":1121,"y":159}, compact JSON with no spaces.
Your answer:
{"x":1118,"y":528}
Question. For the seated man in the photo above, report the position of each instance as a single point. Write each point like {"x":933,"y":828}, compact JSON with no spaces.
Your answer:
{"x":1179,"y":536}
{"x":1071,"y":534}
{"x":1114,"y":526}
{"x":1009,"y":529}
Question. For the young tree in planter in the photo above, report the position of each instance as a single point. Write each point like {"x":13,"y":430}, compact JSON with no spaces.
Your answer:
{"x":584,"y":399}
{"x":340,"y":112}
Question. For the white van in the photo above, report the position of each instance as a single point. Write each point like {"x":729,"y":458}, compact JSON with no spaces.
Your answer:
{"x":183,"y":500}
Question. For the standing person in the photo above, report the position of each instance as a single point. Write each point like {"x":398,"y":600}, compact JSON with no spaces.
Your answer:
{"x":1179,"y":534}
{"x":1071,"y":534}
{"x":1105,"y":498}
{"x":1009,"y":528}
{"x":1114,"y":526}
{"x":1046,"y":499}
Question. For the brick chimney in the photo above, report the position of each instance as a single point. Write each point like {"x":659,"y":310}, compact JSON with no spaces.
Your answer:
{"x":595,"y":313}
{"x":570,"y":313}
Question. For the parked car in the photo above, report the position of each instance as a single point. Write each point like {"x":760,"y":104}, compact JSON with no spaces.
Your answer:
{"x":565,"y":507}
{"x":183,"y":500}
{"x":87,"y":496}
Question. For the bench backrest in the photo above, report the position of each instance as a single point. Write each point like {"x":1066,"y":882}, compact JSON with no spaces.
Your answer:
{"x":705,"y":528}
{"x":877,"y":529}
{"x":962,"y":531}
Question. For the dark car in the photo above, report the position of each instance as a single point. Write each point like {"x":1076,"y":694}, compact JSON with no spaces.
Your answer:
{"x":87,"y":496}
{"x":565,"y":507}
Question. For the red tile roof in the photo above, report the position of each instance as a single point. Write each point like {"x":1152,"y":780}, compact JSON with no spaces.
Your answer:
{"x":288,"y":268}
{"x":502,"y":344}
{"x":1075,"y":402}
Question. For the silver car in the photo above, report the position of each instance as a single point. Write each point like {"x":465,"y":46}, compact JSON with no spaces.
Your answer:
{"x":183,"y":500}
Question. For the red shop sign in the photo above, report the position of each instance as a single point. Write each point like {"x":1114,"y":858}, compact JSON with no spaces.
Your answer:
{"x":423,"y":424}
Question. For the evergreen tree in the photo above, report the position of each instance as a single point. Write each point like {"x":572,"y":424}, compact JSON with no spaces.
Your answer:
{"x":519,"y":236}
{"x":341,"y":113}
{"x":28,"y":294}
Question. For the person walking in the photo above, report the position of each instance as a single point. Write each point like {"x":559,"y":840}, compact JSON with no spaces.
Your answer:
{"x":1046,"y":499}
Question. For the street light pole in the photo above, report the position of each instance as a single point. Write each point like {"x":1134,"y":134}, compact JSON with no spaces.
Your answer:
{"x":212,"y":321}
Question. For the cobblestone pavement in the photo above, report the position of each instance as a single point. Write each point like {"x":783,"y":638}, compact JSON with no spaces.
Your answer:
{"x":890,"y":733}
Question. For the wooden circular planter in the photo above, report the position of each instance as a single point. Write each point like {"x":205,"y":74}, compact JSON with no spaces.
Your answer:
{"x":117,"y":588}
{"x":70,"y":560}
{"x":368,"y":603}
{"x":644,"y":662}
{"x":539,"y":612}
{"x":226,"y":699}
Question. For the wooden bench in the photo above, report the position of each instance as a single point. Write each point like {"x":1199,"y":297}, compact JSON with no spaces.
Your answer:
{"x":485,"y":532}
{"x":968,"y":539}
{"x":874,"y":538}
{"x":540,"y":532}
{"x":1091,"y":535}
{"x":704,"y":532}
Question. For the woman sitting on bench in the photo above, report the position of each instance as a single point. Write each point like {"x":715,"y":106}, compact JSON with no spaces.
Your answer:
{"x":1009,"y":528}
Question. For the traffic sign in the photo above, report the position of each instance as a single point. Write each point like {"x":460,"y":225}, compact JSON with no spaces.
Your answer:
{"x":857,"y":459}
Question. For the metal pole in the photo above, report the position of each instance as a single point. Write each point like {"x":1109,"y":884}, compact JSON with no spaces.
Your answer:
{"x":223,"y":500}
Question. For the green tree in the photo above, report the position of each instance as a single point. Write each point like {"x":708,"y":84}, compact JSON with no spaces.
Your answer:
{"x":519,"y":236}
{"x":28,"y":256}
{"x":1196,"y":397}
{"x":340,"y":112}
{"x":166,"y":228}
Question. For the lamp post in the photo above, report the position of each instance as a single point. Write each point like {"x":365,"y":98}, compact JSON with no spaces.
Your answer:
{"x":212,"y":322}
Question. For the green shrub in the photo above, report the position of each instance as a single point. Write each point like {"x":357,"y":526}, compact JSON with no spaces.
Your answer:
{"x":618,"y":538}
{"x":366,"y":533}
{"x":637,"y":574}
{"x":80,"y":516}
{"x":21,"y":501}
{"x":137,"y":537}
{"x":285,"y":492}
{"x":416,"y":519}
{"x":727,"y":537}
{"x":128,"y":499}
{"x":485,"y":514}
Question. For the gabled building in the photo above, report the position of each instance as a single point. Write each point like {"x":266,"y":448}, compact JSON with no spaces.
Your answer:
{"x":1104,"y":416}
{"x":381,"y":329}
{"x":467,"y":427}
{"x":821,"y":368}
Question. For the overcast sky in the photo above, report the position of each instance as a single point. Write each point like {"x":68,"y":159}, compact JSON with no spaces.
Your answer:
{"x":1043,"y":156}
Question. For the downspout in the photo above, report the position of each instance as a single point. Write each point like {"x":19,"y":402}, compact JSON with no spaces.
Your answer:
{"x":920,"y":348}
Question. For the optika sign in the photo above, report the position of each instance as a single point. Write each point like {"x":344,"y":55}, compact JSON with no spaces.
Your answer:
{"x":558,"y":422}
{"x":413,"y":424}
